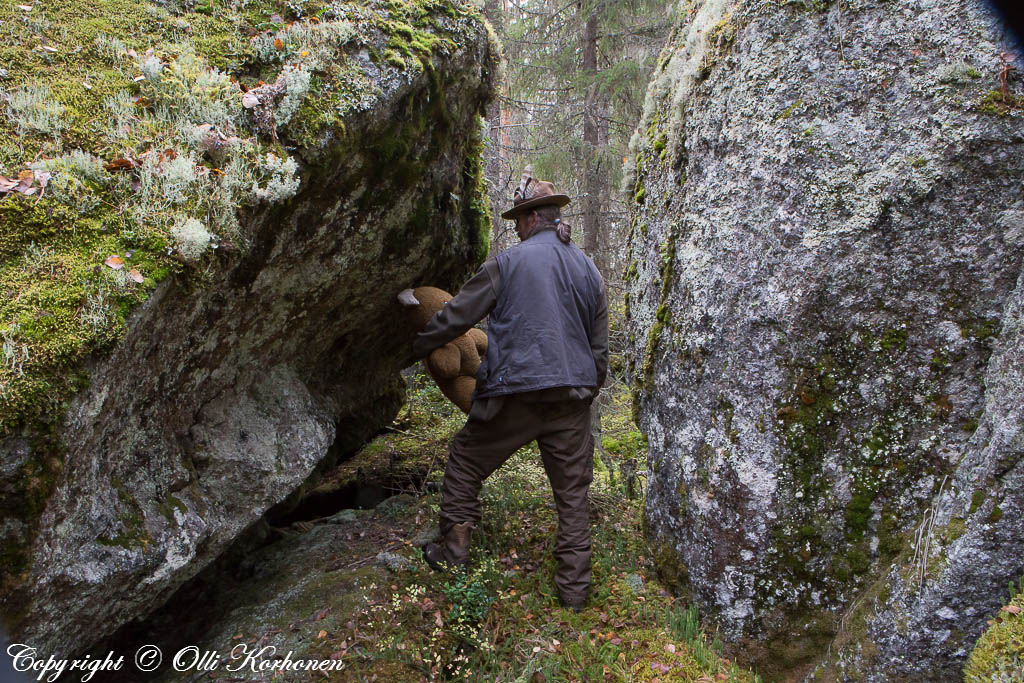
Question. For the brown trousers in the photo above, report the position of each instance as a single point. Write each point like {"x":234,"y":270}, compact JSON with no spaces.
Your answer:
{"x":562,"y":431}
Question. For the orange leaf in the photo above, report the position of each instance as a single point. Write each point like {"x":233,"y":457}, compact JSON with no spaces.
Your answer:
{"x":322,"y":634}
{"x":1012,"y":609}
{"x":135,"y":275}
{"x":120,"y":164}
{"x":114,"y":262}
{"x":278,"y":43}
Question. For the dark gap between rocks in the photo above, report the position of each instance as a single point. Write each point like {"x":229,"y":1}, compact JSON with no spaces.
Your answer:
{"x":182,"y":620}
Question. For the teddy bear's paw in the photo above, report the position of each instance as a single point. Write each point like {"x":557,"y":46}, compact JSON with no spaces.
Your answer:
{"x":445,"y":361}
{"x":479,"y":338}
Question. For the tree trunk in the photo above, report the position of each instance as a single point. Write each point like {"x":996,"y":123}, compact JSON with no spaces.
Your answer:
{"x":591,"y":178}
{"x":496,"y":167}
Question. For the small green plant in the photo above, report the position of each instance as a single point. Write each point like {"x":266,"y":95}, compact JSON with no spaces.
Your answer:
{"x":471,"y":594}
{"x":1016,"y":589}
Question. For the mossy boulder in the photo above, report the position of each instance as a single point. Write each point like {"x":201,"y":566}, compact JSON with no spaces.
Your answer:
{"x":198,"y":313}
{"x":827,"y":235}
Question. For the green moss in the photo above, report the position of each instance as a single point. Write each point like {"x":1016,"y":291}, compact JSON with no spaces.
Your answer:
{"x":791,"y":109}
{"x":994,"y":102}
{"x":977,"y":498}
{"x":169,"y":504}
{"x":662,"y":315}
{"x":894,"y":339}
{"x":980,"y":329}
{"x":77,"y":308}
{"x":660,"y":142}
{"x":956,"y":528}
{"x":996,"y":514}
{"x":999,"y":652}
{"x":133,"y":533}
{"x":672,"y":571}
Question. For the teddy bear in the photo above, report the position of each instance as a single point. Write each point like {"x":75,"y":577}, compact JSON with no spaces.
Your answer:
{"x":454,"y":365}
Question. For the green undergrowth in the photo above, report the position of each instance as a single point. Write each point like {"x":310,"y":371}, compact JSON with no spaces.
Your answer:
{"x":146,"y":132}
{"x":500,"y":620}
{"x":999,"y":653}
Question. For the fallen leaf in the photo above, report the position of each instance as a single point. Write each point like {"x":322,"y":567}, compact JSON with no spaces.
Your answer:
{"x":278,"y":43}
{"x":27,"y":8}
{"x":88,"y":86}
{"x":139,"y":78}
{"x":26,"y":175}
{"x":322,"y":634}
{"x":250,"y":100}
{"x":42,"y":177}
{"x":1012,"y":609}
{"x":438,"y":620}
{"x":670,"y":648}
{"x":120,"y":164}
{"x":136,"y":275}
{"x":114,"y":262}
{"x":48,"y":48}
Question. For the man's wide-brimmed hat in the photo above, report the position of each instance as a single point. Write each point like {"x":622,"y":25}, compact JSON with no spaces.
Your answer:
{"x":532,"y":193}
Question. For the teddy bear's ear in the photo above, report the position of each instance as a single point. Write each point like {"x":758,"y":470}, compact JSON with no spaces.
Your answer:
{"x":408,"y":299}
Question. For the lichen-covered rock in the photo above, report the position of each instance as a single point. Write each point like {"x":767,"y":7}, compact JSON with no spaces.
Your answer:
{"x":279,"y":599}
{"x":826,"y":243}
{"x":200,"y":312}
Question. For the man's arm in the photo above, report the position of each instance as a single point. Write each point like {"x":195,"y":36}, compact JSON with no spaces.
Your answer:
{"x":599,"y":337}
{"x":474,"y":301}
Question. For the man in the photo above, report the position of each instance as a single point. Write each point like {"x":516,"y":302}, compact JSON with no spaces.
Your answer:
{"x":546,"y":360}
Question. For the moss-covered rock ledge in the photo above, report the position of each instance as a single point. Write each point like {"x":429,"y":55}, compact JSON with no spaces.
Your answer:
{"x":217,"y":203}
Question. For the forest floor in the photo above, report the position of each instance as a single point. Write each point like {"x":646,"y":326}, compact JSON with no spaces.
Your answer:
{"x":500,"y":620}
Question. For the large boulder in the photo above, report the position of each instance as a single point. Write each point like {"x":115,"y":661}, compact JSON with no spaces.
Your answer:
{"x":824,"y":296}
{"x":215,"y":209}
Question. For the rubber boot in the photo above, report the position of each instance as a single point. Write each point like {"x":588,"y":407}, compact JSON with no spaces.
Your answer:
{"x":453,"y":550}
